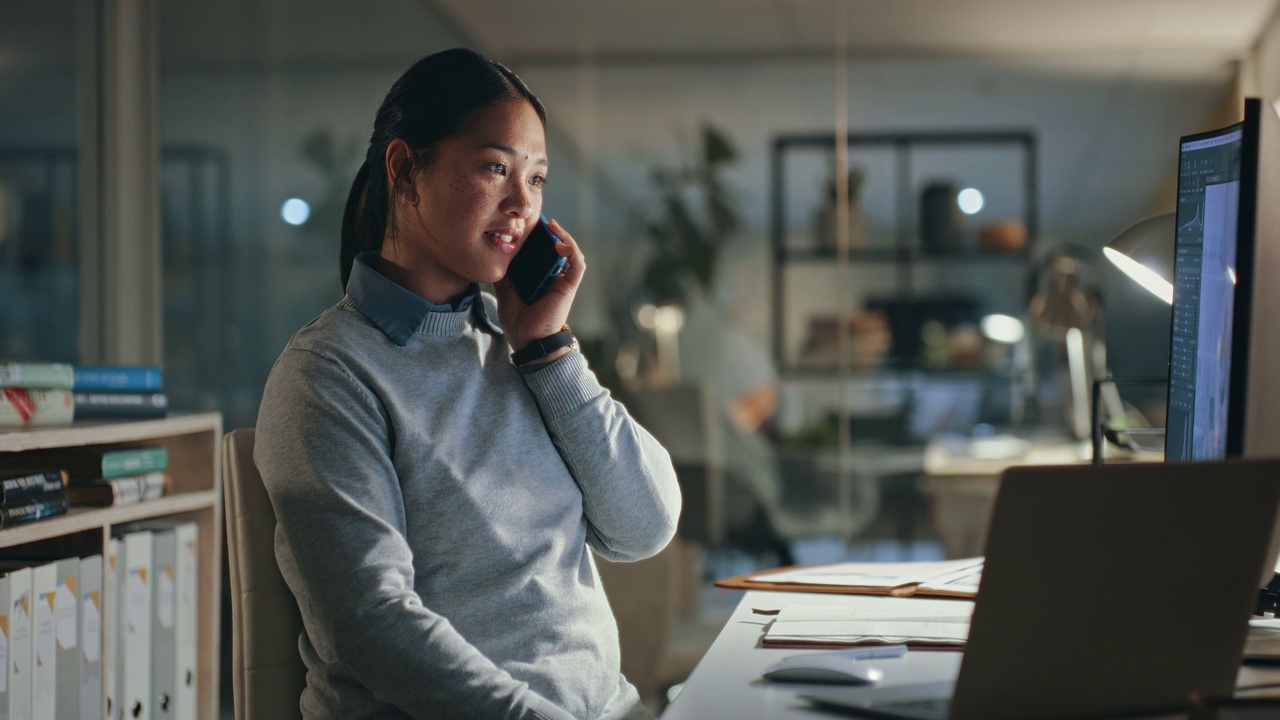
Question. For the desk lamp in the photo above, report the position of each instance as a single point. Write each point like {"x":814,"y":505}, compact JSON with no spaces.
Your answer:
{"x":1144,"y":251}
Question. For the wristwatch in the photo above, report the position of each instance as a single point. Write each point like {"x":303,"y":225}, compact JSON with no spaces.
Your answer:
{"x":539,"y":349}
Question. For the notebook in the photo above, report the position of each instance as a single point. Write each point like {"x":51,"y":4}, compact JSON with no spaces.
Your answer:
{"x":1107,"y":590}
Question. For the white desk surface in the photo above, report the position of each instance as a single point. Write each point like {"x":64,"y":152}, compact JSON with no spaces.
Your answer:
{"x":727,"y":684}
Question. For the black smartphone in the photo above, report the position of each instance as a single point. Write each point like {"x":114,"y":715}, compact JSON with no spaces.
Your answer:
{"x":536,"y":264}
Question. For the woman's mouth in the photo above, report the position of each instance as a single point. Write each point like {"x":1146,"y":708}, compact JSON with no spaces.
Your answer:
{"x":504,"y":240}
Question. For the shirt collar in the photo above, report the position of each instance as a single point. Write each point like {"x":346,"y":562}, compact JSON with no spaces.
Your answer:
{"x":399,"y":313}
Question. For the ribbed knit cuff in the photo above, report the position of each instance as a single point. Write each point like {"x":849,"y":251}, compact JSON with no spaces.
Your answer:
{"x":543,"y":709}
{"x":565,"y":384}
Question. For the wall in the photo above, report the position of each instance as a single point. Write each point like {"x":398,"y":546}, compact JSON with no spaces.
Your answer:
{"x":1262,"y":75}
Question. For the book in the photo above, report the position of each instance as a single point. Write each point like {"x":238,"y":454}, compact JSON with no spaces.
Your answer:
{"x":24,"y":407}
{"x":121,"y":490}
{"x":36,"y":375}
{"x":53,"y":504}
{"x":21,"y":407}
{"x":117,"y":378}
{"x":109,"y":378}
{"x":93,"y":463}
{"x":119,"y":405}
{"x":16,"y":489}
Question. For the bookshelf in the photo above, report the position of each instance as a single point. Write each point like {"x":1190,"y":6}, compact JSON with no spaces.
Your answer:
{"x":193,"y":442}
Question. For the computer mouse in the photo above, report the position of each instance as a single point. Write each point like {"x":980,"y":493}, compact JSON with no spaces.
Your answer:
{"x":823,"y":668}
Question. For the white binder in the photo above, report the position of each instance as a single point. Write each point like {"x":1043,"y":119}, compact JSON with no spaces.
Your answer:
{"x":20,"y":652}
{"x":4,"y":647}
{"x":89,"y":626}
{"x":66,"y":618}
{"x":135,"y":625}
{"x":111,"y":569}
{"x":164,"y":552}
{"x":187,"y":578}
{"x":44,"y":641}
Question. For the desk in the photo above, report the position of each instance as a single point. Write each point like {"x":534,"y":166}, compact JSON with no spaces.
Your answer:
{"x":726,"y":685}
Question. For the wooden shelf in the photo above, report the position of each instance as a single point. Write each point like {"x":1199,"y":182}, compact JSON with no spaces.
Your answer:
{"x":193,"y":442}
{"x":80,"y":519}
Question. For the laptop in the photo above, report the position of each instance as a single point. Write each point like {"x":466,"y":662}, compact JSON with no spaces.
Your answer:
{"x":1107,"y":590}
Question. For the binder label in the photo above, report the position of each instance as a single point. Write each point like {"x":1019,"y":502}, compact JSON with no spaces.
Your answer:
{"x":64,"y":607}
{"x":4,"y":653}
{"x":165,"y":597}
{"x":46,"y":630}
{"x":92,"y":628}
{"x":139,"y":603}
{"x":21,"y":619}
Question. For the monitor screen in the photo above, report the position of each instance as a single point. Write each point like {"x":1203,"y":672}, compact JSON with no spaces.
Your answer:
{"x":1205,"y":275}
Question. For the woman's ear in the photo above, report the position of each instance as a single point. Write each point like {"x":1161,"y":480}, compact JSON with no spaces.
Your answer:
{"x":399,"y":163}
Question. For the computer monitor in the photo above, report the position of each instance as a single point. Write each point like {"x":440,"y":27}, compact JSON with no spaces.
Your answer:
{"x":1225,"y":341}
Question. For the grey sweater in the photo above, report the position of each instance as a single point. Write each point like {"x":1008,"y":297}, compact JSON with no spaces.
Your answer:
{"x":435,"y":508}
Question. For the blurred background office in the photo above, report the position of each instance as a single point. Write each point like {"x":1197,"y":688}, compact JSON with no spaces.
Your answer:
{"x":828,"y":237}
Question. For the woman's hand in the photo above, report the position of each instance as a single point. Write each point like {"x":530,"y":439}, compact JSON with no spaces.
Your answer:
{"x":525,"y":323}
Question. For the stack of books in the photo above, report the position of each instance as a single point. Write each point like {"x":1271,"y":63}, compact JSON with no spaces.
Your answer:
{"x":95,"y":476}
{"x":32,"y":495}
{"x":35,"y":394}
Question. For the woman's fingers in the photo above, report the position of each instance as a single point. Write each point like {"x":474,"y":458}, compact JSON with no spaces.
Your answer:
{"x":569,"y":248}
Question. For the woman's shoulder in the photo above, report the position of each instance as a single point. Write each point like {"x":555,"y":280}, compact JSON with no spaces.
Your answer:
{"x":333,"y":331}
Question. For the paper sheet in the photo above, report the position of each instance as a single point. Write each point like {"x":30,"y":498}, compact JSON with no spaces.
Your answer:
{"x":878,"y":575}
{"x":897,"y":623}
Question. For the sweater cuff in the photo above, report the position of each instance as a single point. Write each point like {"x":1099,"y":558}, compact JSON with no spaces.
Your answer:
{"x":564,"y":385}
{"x":543,"y":709}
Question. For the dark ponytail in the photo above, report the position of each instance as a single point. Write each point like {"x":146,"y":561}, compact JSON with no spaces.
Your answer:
{"x":427,"y":104}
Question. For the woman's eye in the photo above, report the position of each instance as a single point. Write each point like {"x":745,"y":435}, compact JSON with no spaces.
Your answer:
{"x":537,"y":180}
{"x":496,"y":167}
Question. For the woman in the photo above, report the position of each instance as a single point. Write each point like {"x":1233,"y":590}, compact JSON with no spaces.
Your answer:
{"x":435,"y":502}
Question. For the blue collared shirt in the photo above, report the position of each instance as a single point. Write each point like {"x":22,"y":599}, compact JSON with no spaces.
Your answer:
{"x":399,"y":313}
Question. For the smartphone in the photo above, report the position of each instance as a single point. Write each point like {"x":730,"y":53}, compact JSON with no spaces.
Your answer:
{"x":536,"y":264}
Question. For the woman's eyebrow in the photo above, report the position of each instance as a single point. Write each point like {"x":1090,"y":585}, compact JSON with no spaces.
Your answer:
{"x":511,"y":151}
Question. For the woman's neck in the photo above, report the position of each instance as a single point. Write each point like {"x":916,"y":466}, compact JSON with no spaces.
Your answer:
{"x":437,"y":287}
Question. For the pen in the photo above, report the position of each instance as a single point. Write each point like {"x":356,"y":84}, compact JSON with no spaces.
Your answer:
{"x":874,"y":651}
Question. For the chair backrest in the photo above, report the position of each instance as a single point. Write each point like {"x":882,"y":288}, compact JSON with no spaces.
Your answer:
{"x":267,"y":673}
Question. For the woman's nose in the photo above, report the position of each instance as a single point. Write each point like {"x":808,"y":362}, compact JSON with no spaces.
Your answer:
{"x":519,"y":201}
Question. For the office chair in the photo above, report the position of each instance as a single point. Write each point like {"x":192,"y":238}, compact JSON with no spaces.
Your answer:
{"x":268,"y":675}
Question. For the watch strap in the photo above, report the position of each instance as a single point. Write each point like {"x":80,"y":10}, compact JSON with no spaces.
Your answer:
{"x":543,"y":347}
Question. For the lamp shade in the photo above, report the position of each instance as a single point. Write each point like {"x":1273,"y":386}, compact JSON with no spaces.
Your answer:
{"x":1144,"y":251}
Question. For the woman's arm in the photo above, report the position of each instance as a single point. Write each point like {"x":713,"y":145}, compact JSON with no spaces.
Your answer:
{"x":629,"y":489}
{"x":324,"y":452}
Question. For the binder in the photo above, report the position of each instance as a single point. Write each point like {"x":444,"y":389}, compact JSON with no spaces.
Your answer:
{"x":44,"y":641}
{"x":66,"y":614}
{"x":4,"y":647}
{"x":89,"y":658}
{"x":20,"y":653}
{"x":111,"y":569}
{"x":164,"y":549}
{"x":187,"y":570}
{"x":135,"y":625}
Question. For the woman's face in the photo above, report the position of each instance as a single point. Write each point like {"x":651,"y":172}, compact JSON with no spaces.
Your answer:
{"x":476,"y":202}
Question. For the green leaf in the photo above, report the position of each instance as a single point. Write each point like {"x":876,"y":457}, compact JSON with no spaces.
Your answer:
{"x":717,"y":148}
